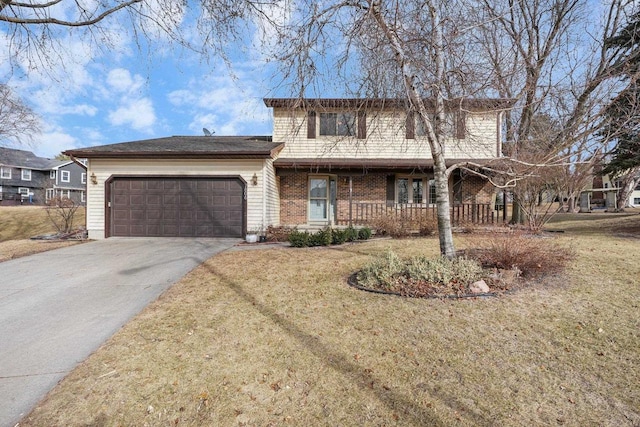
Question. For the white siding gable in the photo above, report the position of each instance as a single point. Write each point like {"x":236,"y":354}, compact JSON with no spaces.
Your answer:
{"x":386,"y":138}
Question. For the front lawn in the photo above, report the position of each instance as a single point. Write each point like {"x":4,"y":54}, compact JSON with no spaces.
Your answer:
{"x":19,"y":223}
{"x":276,"y":337}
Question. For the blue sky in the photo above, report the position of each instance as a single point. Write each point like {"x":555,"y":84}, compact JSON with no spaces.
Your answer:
{"x":96,"y":96}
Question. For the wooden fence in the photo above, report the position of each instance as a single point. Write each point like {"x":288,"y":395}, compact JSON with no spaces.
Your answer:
{"x":361,"y":214}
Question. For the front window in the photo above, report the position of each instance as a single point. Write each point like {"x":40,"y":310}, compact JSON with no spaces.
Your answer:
{"x":5,"y":173}
{"x":337,"y":124}
{"x":65,"y":176}
{"x":84,"y":178}
{"x":52,"y":174}
{"x":26,"y":174}
{"x":50,"y":193}
{"x":412,"y":190}
{"x":82,"y":197}
{"x":23,"y":191}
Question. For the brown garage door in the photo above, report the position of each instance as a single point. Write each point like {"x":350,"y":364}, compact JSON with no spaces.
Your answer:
{"x":176,"y":207}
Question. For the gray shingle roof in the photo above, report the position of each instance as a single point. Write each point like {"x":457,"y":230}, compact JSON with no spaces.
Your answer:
{"x":184,"y":147}
{"x":26,"y":159}
{"x":480,"y":104}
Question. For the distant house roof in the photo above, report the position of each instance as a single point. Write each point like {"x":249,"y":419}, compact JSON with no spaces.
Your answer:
{"x":221,"y":147}
{"x":480,"y":104}
{"x":26,"y":159}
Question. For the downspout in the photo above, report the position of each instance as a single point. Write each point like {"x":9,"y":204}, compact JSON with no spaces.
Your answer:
{"x":264,"y":197}
{"x":350,"y":201}
{"x":499,"y":135}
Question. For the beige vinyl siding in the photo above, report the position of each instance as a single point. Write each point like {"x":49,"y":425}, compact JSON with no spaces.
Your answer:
{"x":272,"y":195}
{"x":105,"y":168}
{"x":385,"y":138}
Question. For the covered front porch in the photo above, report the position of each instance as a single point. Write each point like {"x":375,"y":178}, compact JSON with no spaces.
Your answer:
{"x":345,"y":195}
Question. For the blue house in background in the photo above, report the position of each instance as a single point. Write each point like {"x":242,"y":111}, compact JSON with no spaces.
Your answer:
{"x":28,"y":179}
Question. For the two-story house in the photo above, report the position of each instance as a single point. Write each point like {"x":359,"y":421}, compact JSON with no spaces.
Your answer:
{"x":23,"y":177}
{"x":28,"y":179}
{"x":329,"y":161}
{"x":68,"y":180}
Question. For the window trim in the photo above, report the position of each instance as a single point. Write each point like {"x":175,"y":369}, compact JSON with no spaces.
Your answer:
{"x":83,"y":178}
{"x":24,"y":172}
{"x":62,"y":176}
{"x":23,"y":193}
{"x":449,"y":125}
{"x":351,"y":125}
{"x":428,"y":184}
{"x":330,"y":198}
{"x":52,"y":174}
{"x":83,"y":197}
{"x":3,"y":171}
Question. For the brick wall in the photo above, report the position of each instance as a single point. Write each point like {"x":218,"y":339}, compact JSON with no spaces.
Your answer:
{"x":369,"y":188}
{"x":294,"y":191}
{"x":476,"y":190}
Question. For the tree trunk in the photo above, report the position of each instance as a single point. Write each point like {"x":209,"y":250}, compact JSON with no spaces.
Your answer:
{"x":627,"y":184}
{"x":517,"y":215}
{"x":443,"y":210}
{"x":571,"y":204}
{"x":435,"y":131}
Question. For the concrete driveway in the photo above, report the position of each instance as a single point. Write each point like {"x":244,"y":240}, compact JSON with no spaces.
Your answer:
{"x":58,"y":307}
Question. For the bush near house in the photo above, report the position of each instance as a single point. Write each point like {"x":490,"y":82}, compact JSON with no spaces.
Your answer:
{"x":328,"y":236}
{"x":399,"y":226}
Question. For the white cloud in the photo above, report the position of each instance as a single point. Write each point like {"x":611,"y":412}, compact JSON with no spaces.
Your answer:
{"x":122,"y":81}
{"x":223,"y":104}
{"x":52,"y":143}
{"x":138,"y":113}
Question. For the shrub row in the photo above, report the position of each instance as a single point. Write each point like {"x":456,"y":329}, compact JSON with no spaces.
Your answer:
{"x":389,"y":271}
{"x":403,"y":226}
{"x":328,"y":236}
{"x":530,"y":255}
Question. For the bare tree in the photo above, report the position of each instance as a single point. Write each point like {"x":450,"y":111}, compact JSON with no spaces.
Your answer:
{"x":534,"y":51}
{"x":61,"y":211}
{"x":551,"y":56}
{"x":18,"y":122}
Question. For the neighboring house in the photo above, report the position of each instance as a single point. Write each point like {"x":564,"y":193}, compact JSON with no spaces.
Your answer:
{"x":329,"y":161}
{"x":68,"y":180}
{"x":28,"y":179}
{"x":604,"y":191}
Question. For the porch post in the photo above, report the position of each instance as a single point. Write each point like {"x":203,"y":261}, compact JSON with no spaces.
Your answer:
{"x":350,"y":201}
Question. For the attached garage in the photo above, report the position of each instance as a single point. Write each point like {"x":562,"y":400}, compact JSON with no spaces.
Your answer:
{"x":181,"y":186}
{"x":176,"y":207}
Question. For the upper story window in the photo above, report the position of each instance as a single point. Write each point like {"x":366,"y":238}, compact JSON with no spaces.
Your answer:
{"x":52,"y":174}
{"x":5,"y":173}
{"x":65,"y":176}
{"x":26,"y":174}
{"x":447,"y":127}
{"x":83,"y":178}
{"x":454,"y":125}
{"x":337,"y":124}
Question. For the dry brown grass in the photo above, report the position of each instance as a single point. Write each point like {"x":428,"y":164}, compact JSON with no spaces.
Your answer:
{"x":19,"y":223}
{"x":23,"y":222}
{"x":276,"y":337}
{"x":18,"y":248}
{"x":624,"y":224}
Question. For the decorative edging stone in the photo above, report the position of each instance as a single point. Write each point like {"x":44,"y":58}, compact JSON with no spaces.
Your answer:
{"x":353,"y":282}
